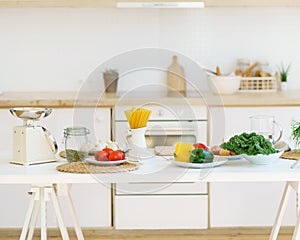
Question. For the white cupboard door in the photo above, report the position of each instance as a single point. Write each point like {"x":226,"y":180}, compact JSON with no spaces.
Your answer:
{"x":161,"y":212}
{"x":92,"y":204}
{"x":8,"y":121}
{"x":248,"y":204}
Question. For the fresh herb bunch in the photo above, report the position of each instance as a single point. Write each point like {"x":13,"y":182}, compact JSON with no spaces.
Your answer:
{"x":296,"y":133}
{"x":284,"y":72}
{"x":250,"y":144}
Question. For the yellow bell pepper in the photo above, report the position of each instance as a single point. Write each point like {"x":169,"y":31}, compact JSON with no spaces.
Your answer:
{"x":182,"y":152}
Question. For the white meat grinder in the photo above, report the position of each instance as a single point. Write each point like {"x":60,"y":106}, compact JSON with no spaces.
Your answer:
{"x":32,"y":143}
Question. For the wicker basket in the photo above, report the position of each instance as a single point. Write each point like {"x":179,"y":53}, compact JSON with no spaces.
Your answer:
{"x":258,"y":84}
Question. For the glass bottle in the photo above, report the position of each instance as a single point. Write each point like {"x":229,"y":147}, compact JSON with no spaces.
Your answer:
{"x":76,"y":140}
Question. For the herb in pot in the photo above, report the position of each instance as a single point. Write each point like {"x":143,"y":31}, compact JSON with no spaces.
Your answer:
{"x":296,"y":134}
{"x":284,"y":72}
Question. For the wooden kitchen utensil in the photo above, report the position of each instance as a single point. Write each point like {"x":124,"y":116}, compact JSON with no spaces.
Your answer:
{"x":175,"y":77}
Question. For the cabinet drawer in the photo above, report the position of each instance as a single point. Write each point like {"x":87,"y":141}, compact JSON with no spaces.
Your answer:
{"x":161,"y":212}
{"x":161,"y":188}
{"x":171,"y":112}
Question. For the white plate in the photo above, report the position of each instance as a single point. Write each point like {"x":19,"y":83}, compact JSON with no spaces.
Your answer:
{"x":215,"y":163}
{"x":234,"y":157}
{"x":105,"y":163}
{"x":263,"y":159}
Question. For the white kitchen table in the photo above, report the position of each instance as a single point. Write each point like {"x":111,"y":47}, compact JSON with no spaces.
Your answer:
{"x":44,"y":179}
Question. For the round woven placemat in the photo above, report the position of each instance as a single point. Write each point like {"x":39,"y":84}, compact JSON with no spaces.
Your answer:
{"x":292,"y":155}
{"x":85,"y":167}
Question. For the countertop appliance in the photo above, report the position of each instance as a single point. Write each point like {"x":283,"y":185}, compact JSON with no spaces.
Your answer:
{"x":32,"y":143}
{"x":167,"y":125}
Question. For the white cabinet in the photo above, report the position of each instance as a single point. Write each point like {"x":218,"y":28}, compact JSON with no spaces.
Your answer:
{"x":232,"y":204}
{"x":92,"y":201}
{"x":248,"y":204}
{"x":161,"y":206}
{"x":226,"y":122}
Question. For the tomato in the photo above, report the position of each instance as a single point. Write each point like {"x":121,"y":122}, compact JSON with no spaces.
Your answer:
{"x":201,"y":145}
{"x":101,"y":156}
{"x":108,"y":150}
{"x":116,"y":155}
{"x":121,"y":152}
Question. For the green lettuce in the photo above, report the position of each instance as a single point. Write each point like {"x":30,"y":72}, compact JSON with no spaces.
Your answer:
{"x":250,"y":144}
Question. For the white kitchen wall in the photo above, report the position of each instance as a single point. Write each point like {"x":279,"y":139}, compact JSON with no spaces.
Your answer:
{"x":57,"y":49}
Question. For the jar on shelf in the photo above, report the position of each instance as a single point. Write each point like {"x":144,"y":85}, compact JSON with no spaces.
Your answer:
{"x":76,"y":142}
{"x":241,"y":66}
{"x":262,"y":69}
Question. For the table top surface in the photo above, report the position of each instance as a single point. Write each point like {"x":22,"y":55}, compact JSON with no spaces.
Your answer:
{"x":156,"y":169}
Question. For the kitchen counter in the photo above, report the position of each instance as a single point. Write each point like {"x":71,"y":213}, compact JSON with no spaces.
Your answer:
{"x":156,"y":169}
{"x":93,"y":99}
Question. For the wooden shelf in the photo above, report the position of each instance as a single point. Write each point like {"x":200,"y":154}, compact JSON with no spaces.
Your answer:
{"x":112,"y":3}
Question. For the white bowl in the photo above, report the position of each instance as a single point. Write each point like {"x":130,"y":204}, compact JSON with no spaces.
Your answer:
{"x":224,"y":84}
{"x":263,"y":159}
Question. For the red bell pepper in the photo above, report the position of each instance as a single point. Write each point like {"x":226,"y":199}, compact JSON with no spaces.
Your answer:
{"x":201,"y":145}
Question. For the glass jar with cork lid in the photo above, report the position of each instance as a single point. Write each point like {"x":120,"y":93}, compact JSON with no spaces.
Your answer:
{"x":262,"y":69}
{"x":76,"y":142}
{"x":241,"y":66}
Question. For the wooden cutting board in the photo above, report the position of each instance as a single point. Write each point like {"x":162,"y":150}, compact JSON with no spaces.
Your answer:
{"x":176,"y":77}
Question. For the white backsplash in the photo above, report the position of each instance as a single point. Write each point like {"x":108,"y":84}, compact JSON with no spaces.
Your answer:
{"x":58,"y":49}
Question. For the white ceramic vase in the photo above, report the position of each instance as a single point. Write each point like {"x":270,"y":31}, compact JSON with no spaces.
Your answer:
{"x":137,"y":144}
{"x":283,"y":86}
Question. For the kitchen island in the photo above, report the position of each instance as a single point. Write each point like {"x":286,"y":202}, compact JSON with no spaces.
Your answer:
{"x":156,"y":169}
